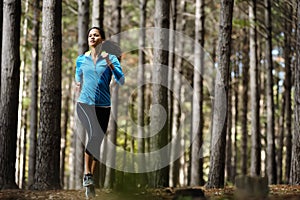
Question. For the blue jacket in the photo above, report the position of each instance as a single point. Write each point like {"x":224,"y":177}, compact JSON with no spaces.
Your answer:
{"x":95,"y":79}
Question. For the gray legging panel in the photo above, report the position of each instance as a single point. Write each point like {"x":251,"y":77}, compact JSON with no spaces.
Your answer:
{"x":95,"y":121}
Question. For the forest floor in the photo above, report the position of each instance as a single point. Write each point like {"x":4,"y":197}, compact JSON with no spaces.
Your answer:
{"x":278,"y":192}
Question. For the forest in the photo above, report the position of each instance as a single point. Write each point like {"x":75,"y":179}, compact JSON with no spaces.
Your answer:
{"x":211,"y":99}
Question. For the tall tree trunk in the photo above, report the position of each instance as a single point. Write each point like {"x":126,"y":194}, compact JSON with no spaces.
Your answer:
{"x":295,"y":171}
{"x":78,"y":138}
{"x":280,"y":141}
{"x":10,"y":80}
{"x":177,"y":133}
{"x":1,"y":33}
{"x":142,"y":180}
{"x":229,"y":142}
{"x":288,"y":86}
{"x":197,"y":112}
{"x":79,"y":153}
{"x":48,"y":155}
{"x":98,"y":13}
{"x":185,"y":142}
{"x":22,"y":110}
{"x":228,"y":161}
{"x":171,"y":61}
{"x":217,"y":160}
{"x":65,"y":123}
{"x":236,"y":85}
{"x":112,"y":127}
{"x":244,"y":120}
{"x":160,"y":92}
{"x":254,"y":93}
{"x":271,"y":160}
{"x":83,"y":25}
{"x":34,"y":92}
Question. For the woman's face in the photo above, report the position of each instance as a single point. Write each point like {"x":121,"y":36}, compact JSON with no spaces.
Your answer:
{"x":94,"y":38}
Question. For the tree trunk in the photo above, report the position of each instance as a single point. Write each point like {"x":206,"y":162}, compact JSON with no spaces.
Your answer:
{"x":171,"y":61}
{"x":159,"y":93}
{"x":79,"y":134}
{"x":112,"y":127}
{"x":34,"y":92}
{"x":21,"y":148}
{"x":295,"y":171}
{"x":22,"y":110}
{"x":72,"y":156}
{"x":83,"y":25}
{"x":254,"y":94}
{"x":48,"y":155}
{"x":65,"y":124}
{"x":197,"y":112}
{"x":142,"y":180}
{"x":177,"y":133}
{"x":236,"y":85}
{"x":245,"y":97}
{"x":271,"y":160}
{"x":1,"y":22}
{"x":280,"y":141}
{"x":217,"y":159}
{"x":288,"y":87}
{"x":98,"y":13}
{"x":10,"y":80}
{"x":228,"y":161}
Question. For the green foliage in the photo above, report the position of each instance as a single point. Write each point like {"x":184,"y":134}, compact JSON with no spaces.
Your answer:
{"x":240,"y":23}
{"x":26,"y":102}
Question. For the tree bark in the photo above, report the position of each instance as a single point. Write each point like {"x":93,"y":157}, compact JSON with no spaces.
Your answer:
{"x":236,"y":85}
{"x":83,"y":25}
{"x":288,"y":87}
{"x":280,"y":141}
{"x":98,"y":13}
{"x":142,"y":180}
{"x":112,"y":127}
{"x":159,"y":96}
{"x":48,"y":155}
{"x":228,"y":161}
{"x":217,"y":159}
{"x":197,"y":112}
{"x":271,"y":160}
{"x":254,"y":95}
{"x":65,"y":124}
{"x":78,"y":138}
{"x":177,"y":133}
{"x":34,"y":92}
{"x":1,"y":22}
{"x":295,"y":170}
{"x":245,"y":97}
{"x":171,"y":61}
{"x":22,"y":109}
{"x":10,"y":81}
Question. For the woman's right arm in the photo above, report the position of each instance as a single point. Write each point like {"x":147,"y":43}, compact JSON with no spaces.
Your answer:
{"x":78,"y":73}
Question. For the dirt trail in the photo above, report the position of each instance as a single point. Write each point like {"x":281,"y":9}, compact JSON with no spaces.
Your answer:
{"x":277,"y":192}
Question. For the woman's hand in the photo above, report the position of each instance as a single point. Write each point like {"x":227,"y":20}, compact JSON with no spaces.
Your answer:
{"x":77,"y":87}
{"x":104,"y":55}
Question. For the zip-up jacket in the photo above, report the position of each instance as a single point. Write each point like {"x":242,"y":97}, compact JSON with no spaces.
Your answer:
{"x":95,"y":79}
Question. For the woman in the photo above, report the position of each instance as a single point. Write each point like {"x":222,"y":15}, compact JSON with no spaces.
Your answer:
{"x":93,"y":75}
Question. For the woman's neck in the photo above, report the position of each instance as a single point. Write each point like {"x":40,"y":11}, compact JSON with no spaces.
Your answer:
{"x":95,"y":52}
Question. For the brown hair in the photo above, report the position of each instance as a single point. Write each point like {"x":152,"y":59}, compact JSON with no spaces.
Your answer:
{"x":101,"y":31}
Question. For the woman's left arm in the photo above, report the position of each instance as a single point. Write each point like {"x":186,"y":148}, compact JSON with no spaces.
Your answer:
{"x":114,"y":64}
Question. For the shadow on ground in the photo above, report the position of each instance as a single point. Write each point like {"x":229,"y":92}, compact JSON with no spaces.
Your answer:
{"x":277,"y":192}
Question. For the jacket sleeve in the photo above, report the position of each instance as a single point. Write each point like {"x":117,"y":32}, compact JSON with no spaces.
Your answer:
{"x":78,"y":71}
{"x":117,"y":72}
